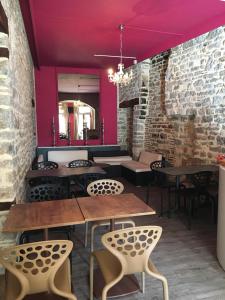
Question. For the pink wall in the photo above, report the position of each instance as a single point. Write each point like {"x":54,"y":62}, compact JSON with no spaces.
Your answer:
{"x":46,"y":105}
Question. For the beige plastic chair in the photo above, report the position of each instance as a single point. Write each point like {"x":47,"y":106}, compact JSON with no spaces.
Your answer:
{"x":36,"y":268}
{"x":105,"y":187}
{"x":127,"y":252}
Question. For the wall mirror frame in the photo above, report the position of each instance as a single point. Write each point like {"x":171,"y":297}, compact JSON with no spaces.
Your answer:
{"x":78,"y":106}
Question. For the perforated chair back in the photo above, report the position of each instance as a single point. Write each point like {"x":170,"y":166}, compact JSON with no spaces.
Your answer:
{"x":132,"y":246}
{"x":35,"y":265}
{"x":105,"y":187}
{"x":159,"y":164}
{"x":46,"y":180}
{"x":45,"y":165}
{"x":48,"y":191}
{"x":159,"y":178}
{"x":201,"y":179}
{"x":85,"y":179}
{"x":80,"y":163}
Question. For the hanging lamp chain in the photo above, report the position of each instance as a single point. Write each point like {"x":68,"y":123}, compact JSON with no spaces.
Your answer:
{"x":120,"y":77}
{"x":121,"y":27}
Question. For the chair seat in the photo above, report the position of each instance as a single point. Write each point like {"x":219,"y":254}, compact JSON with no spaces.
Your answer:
{"x":109,"y":265}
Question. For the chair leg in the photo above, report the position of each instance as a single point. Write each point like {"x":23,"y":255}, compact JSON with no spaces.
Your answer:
{"x":165,"y":289}
{"x":143,"y":282}
{"x":161,"y":203}
{"x":169,"y":206}
{"x":91,"y":276}
{"x":147,"y":193}
{"x":92,"y":236}
{"x":213,"y":208}
{"x":86,"y":235}
{"x":104,"y":293}
{"x":190,"y":204}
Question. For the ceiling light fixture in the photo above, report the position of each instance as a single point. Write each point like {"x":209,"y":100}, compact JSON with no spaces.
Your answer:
{"x":119,"y":77}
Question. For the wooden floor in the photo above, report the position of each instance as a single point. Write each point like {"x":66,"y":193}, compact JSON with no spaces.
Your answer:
{"x":187,"y":258}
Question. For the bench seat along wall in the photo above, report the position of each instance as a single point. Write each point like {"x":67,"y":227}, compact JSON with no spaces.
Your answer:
{"x":181,"y":110}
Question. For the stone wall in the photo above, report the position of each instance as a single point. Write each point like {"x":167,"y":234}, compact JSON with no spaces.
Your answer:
{"x":195,"y":89}
{"x":17,"y":115}
{"x":185,"y":113}
{"x":159,"y":131}
{"x":132,"y":120}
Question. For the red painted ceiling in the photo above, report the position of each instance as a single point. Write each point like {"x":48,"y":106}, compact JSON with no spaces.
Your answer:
{"x":70,"y":32}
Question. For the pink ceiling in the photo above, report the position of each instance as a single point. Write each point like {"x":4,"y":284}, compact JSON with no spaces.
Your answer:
{"x":70,"y":32}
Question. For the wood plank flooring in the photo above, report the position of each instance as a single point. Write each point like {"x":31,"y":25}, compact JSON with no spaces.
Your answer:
{"x":187,"y":258}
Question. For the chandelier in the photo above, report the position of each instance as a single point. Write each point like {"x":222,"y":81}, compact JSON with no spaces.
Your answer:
{"x":120,"y":77}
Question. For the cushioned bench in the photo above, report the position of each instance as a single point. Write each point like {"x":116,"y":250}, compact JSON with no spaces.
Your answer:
{"x":138,"y":172}
{"x":64,"y":157}
{"x":112,"y":160}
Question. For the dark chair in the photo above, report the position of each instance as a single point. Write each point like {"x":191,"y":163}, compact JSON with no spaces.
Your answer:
{"x":74,"y":181}
{"x":162,"y":181}
{"x":45,"y":165}
{"x":80,"y":163}
{"x":200,"y":183}
{"x":45,"y":192}
{"x":45,"y":180}
{"x":82,"y":181}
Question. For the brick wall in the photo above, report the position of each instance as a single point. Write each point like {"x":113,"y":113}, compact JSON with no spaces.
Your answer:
{"x":185,"y":114}
{"x":17,"y":115}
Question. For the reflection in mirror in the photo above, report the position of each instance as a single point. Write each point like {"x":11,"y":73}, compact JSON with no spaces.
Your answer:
{"x":78,"y":106}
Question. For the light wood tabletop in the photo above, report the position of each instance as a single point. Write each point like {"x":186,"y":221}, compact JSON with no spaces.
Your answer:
{"x":113,"y":207}
{"x":43,"y":215}
{"x":64,"y":172}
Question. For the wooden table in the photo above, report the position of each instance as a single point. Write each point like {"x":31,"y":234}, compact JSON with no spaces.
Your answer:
{"x":114,"y":207}
{"x":43,"y":215}
{"x":186,"y":170}
{"x":177,"y":172}
{"x":56,"y":213}
{"x":64,"y":172}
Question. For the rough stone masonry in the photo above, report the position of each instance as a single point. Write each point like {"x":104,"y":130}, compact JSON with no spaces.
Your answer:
{"x":17,"y":115}
{"x":181,"y":110}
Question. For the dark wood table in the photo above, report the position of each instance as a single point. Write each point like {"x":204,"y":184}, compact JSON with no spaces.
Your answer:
{"x":186,"y":170}
{"x":177,"y":172}
{"x":43,"y":215}
{"x":64,"y":172}
{"x":113,"y":207}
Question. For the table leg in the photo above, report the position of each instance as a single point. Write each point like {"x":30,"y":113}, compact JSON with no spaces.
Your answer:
{"x":112,"y":224}
{"x":46,"y":234}
{"x":178,"y":191}
{"x":176,"y":207}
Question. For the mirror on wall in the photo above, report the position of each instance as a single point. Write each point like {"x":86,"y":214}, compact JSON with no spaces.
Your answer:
{"x":78,"y":106}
